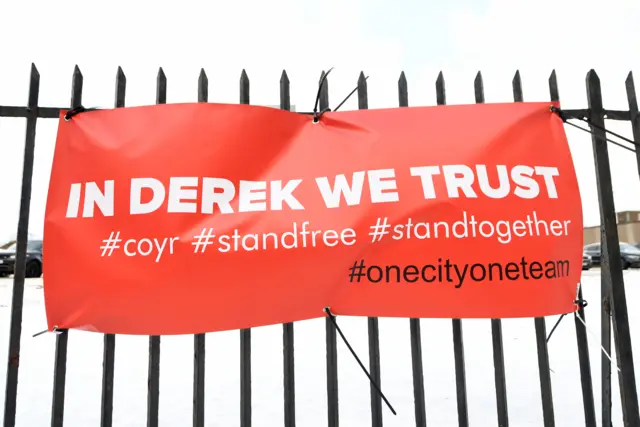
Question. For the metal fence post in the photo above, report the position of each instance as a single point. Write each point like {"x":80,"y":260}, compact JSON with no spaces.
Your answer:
{"x":15,"y":331}
{"x":414,"y":324}
{"x":613,"y":292}
{"x":458,"y":343}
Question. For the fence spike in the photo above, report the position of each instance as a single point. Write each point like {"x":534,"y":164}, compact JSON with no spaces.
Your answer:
{"x":363,"y":97}
{"x":161,"y":87}
{"x":76,"y":87}
{"x":203,"y":86}
{"x":403,"y":90}
{"x":402,"y":81}
{"x":324,"y":92}
{"x":441,"y":93}
{"x":202,"y":77}
{"x":285,"y":97}
{"x":516,"y":84}
{"x":478,"y":86}
{"x":284,"y":77}
{"x":121,"y":87}
{"x":592,"y":77}
{"x":244,"y":88}
{"x":631,"y":97}
{"x":553,"y":86}
{"x":121,"y":78}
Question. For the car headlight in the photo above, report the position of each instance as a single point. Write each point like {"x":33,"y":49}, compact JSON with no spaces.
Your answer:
{"x":12,"y":257}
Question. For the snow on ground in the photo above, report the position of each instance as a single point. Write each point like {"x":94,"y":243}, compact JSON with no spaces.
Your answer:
{"x":223,"y":371}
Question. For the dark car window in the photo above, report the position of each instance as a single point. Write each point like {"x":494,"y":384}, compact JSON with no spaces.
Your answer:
{"x":32,"y":246}
{"x":594,"y":247}
{"x":35,"y":245}
{"x":629,"y":249}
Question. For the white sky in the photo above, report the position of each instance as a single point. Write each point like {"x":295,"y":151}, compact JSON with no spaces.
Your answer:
{"x":381,"y":38}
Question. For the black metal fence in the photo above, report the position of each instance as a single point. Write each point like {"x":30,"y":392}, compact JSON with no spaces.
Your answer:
{"x":613,"y":304}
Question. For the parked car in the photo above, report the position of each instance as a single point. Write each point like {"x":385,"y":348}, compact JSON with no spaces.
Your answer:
{"x":34,"y":259}
{"x":629,"y":254}
{"x":587,"y":263}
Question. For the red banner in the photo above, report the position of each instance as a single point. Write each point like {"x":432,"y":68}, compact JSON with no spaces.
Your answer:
{"x":192,"y":218}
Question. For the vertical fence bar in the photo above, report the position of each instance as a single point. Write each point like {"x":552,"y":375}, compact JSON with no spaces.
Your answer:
{"x":372,"y":322}
{"x":108,"y":358}
{"x":333,"y":418}
{"x":199,"y":340}
{"x":581,"y":333}
{"x":595,"y":103}
{"x":634,"y":116}
{"x":414,"y":324}
{"x":153,"y":376}
{"x":496,"y":324}
{"x":62,"y":338}
{"x":612,"y":280}
{"x":544,"y":370}
{"x":458,"y":345}
{"x":288,"y":369}
{"x":15,"y":332}
{"x":245,"y":334}
{"x":585,"y":368}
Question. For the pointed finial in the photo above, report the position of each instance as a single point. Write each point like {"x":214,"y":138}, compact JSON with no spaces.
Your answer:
{"x":516,"y":79}
{"x":203,"y":86}
{"x":516,"y":84}
{"x":479,"y":88}
{"x":284,"y":78}
{"x":202,"y":77}
{"x":441,"y":96}
{"x":161,"y":87}
{"x":76,"y":71}
{"x":76,"y":87}
{"x":553,"y":86}
{"x":120,"y":75}
{"x":403,"y":91}
{"x":244,"y":87}
{"x":478,"y":79}
{"x":592,"y":77}
{"x":34,"y":71}
{"x":402,"y":79}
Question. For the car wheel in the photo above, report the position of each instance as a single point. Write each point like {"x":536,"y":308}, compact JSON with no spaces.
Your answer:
{"x":33,"y":270}
{"x":625,"y":265}
{"x":3,"y":274}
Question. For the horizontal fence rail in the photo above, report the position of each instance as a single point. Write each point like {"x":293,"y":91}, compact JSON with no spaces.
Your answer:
{"x":613,"y":307}
{"x":54,"y":112}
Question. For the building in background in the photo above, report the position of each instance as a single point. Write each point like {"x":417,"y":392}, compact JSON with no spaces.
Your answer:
{"x":628,"y":229}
